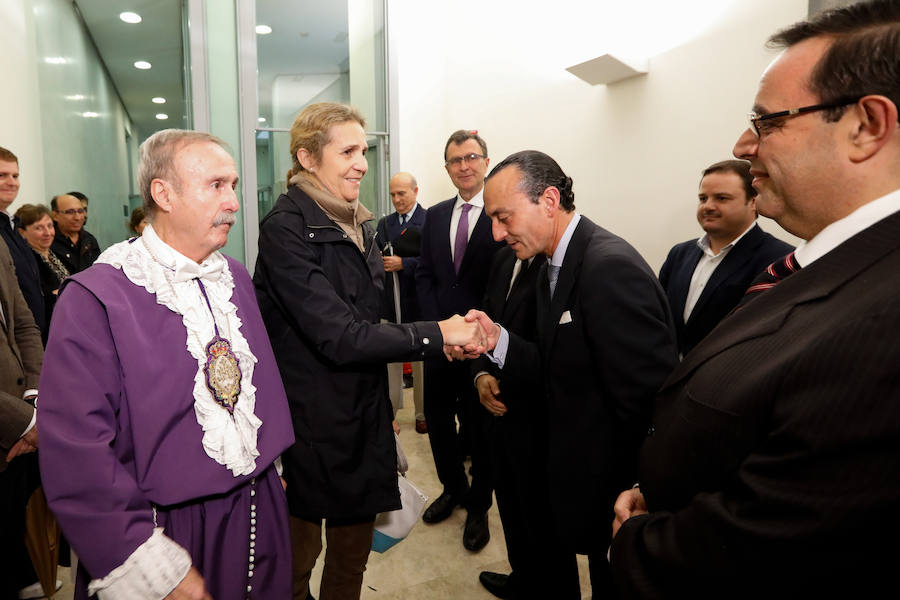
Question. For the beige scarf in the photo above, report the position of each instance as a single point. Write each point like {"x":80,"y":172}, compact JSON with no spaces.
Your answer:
{"x":348,"y":215}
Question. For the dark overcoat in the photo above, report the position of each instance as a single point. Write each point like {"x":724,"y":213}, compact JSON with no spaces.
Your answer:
{"x":320,"y":298}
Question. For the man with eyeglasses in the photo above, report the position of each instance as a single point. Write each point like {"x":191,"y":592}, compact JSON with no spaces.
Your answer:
{"x":75,"y":247}
{"x":456,"y":254}
{"x":771,"y":466}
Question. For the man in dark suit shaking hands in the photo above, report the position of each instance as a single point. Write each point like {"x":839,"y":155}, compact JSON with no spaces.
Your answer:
{"x":705,"y":278}
{"x":771,"y":470}
{"x":605,"y":343}
{"x":452,"y":277}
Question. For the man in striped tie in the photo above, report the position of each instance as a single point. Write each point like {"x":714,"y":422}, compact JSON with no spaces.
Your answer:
{"x":770,"y":467}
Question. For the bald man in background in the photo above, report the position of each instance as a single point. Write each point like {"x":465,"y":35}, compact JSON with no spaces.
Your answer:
{"x":402,"y":230}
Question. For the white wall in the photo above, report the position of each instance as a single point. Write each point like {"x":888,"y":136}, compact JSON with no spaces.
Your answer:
{"x":634,"y":149}
{"x":21,"y":129}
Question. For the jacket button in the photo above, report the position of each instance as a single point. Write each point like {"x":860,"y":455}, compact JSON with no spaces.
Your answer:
{"x":426,"y":341}
{"x":20,"y":381}
{"x":312,"y":235}
{"x":650,"y":431}
{"x":345,"y":236}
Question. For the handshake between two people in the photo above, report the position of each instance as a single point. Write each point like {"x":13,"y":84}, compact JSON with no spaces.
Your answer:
{"x":470,"y":336}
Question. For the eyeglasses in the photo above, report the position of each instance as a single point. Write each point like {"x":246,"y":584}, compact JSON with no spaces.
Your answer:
{"x":74,"y":211}
{"x":758,"y":127}
{"x":466,"y":158}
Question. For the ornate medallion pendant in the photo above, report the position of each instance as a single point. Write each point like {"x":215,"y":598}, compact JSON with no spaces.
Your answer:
{"x":223,"y":373}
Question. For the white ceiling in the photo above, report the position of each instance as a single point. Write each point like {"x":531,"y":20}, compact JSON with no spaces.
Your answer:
{"x":308,"y":37}
{"x":157,"y":39}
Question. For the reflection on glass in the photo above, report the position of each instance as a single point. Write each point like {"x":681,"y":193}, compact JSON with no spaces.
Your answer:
{"x":312,"y":55}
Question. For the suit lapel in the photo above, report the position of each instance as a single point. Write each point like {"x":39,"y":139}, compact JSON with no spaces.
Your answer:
{"x":522,"y":286}
{"x":682,"y":281}
{"x":479,"y":235}
{"x":568,"y":275}
{"x":736,"y":258}
{"x":444,"y":256}
{"x":766,"y":314}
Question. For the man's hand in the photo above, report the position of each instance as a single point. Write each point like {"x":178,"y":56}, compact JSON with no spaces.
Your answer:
{"x":463,"y":335}
{"x":630,"y":503}
{"x":489,"y":393}
{"x":25,"y":444}
{"x":491,"y":329}
{"x":392,"y":263}
{"x":192,"y":587}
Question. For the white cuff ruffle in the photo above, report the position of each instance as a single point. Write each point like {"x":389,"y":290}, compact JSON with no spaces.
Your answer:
{"x":150,"y":573}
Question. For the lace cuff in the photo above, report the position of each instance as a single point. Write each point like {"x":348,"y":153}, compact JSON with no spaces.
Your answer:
{"x":150,"y":573}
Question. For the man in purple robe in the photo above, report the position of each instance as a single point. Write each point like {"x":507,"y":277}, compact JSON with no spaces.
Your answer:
{"x":162,"y":410}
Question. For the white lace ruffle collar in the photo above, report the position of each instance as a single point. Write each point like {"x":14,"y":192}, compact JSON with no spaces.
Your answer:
{"x":230,"y":440}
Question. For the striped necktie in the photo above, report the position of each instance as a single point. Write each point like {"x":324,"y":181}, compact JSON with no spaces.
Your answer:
{"x":774,"y":273}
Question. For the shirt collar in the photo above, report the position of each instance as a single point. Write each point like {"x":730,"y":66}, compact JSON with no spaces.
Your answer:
{"x":703,"y":242}
{"x":182,"y":267}
{"x":843,"y":229}
{"x":410,"y":213}
{"x":560,"y":253}
{"x":477,"y":200}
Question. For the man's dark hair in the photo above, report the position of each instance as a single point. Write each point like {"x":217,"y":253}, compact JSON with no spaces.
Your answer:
{"x":741,"y":168}
{"x":539,"y":172}
{"x":8,"y":156}
{"x":862,"y":59}
{"x":78,"y":195}
{"x":460,"y":136}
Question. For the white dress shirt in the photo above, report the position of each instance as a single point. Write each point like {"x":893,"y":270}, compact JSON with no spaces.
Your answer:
{"x":477,"y":203}
{"x":705,"y":268}
{"x":843,"y":229}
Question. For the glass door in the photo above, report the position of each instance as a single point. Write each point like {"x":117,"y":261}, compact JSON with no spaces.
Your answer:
{"x":306,"y":51}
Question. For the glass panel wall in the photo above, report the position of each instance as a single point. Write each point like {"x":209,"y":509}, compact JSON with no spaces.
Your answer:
{"x":310,"y":51}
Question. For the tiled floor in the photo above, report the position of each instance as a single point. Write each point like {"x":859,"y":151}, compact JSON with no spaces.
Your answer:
{"x":431,"y":564}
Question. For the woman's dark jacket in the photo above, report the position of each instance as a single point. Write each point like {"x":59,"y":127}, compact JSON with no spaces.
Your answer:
{"x":320,"y":299}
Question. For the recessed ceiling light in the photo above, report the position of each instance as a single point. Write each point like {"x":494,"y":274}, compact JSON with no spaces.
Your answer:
{"x":162,"y":116}
{"x":55,"y":60}
{"x":76,"y":97}
{"x":130,"y":17}
{"x":262,"y":119}
{"x":142,"y":64}
{"x":89,"y":114}
{"x":159,"y":100}
{"x":263,"y":29}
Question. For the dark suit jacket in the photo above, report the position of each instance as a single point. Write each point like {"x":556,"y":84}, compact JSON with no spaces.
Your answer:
{"x":749,"y":257}
{"x":389,"y":231}
{"x":600,"y":372}
{"x":26,"y":270}
{"x":518,"y":313}
{"x":442,"y":293}
{"x":21,"y":355}
{"x":776,"y":442}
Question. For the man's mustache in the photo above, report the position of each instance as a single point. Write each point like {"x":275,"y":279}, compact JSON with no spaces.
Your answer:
{"x":224,"y":218}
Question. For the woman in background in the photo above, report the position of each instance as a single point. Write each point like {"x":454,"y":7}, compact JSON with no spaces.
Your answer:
{"x":36,"y":227}
{"x":138,"y":221}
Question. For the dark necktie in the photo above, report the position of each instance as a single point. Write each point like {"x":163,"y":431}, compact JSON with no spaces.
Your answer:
{"x":462,"y":237}
{"x":402,"y":221}
{"x":778,"y":270}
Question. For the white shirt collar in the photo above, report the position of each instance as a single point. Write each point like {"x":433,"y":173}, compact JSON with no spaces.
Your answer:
{"x":476,"y":201}
{"x":182,"y":267}
{"x":703,"y":242}
{"x":843,"y":229}
{"x":410,"y":213}
{"x":560,"y":253}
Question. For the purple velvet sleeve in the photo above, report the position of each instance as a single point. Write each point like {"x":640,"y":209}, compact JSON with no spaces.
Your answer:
{"x":85,"y":449}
